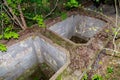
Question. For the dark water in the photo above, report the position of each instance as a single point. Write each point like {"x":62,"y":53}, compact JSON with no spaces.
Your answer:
{"x":78,"y":40}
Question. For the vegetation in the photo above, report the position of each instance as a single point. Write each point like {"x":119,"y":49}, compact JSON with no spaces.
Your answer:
{"x":18,"y":15}
{"x":97,"y":77}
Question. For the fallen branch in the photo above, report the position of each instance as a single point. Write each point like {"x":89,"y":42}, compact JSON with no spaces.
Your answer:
{"x":117,"y":53}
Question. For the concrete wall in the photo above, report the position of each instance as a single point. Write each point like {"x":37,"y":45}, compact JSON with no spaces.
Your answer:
{"x":23,"y":55}
{"x":66,"y":28}
{"x":78,"y":25}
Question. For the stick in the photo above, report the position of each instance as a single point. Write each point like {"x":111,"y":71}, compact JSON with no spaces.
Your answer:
{"x":22,"y":17}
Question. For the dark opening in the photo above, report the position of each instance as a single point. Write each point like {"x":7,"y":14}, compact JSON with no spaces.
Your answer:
{"x":78,"y":39}
{"x":42,"y":72}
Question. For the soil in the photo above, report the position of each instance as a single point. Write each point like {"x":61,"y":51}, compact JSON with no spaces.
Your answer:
{"x":78,"y":40}
{"x":84,"y":55}
{"x":43,"y":72}
{"x":105,"y":61}
{"x":102,"y":64}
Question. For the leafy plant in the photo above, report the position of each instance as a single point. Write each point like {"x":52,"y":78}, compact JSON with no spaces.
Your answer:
{"x":97,"y":77}
{"x":9,"y":33}
{"x":72,"y":3}
{"x":40,"y":20}
{"x":97,"y":0}
{"x":63,"y":15}
{"x":85,"y":77}
{"x":109,"y":69}
{"x":59,"y":77}
{"x":3,"y":48}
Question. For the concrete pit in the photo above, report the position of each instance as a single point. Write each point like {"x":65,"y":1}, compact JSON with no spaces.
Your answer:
{"x":22,"y":59}
{"x":78,"y":28}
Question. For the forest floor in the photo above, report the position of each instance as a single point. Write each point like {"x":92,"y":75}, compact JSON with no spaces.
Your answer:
{"x":104,"y":67}
{"x":101,"y":67}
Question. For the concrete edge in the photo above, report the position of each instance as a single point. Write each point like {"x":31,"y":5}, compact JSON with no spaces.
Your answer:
{"x":60,"y":48}
{"x":33,"y":34}
{"x":67,"y":39}
{"x":78,"y":44}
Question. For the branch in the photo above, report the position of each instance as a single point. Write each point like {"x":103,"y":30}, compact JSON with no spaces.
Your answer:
{"x":9,"y":15}
{"x":14,"y":16}
{"x":111,"y":51}
{"x":22,"y":17}
{"x":52,"y":9}
{"x":117,"y":53}
{"x":116,"y":23}
{"x":2,"y":21}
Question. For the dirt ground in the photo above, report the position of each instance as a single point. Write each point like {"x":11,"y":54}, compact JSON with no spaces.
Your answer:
{"x":105,"y":65}
{"x":90,"y":56}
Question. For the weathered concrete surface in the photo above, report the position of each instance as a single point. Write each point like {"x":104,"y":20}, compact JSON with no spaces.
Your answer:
{"x":30,"y":51}
{"x":82,"y":56}
{"x":78,"y":25}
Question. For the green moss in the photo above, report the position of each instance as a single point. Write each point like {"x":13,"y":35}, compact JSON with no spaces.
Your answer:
{"x":28,"y":72}
{"x":59,"y":77}
{"x":37,"y":72}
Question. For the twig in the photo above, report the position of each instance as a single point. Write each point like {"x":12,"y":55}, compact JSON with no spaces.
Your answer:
{"x":2,"y":21}
{"x":22,"y":17}
{"x":52,"y":9}
{"x":14,"y":16}
{"x":9,"y":15}
{"x":117,"y":30}
{"x":111,"y":50}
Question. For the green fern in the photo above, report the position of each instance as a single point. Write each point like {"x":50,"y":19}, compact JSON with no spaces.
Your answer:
{"x":39,"y":19}
{"x":3,"y":48}
{"x":8,"y":34}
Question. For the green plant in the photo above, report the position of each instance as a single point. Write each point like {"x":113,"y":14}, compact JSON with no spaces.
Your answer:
{"x":63,"y":15}
{"x":97,"y":0}
{"x":3,"y":48}
{"x":72,"y":3}
{"x":59,"y":77}
{"x":9,"y":33}
{"x":39,"y":19}
{"x":110,"y":69}
{"x":85,"y":77}
{"x":97,"y":77}
{"x":36,"y":78}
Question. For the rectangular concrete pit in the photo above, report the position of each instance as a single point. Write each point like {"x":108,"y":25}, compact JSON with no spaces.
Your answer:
{"x":80,"y":26}
{"x":22,"y":56}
